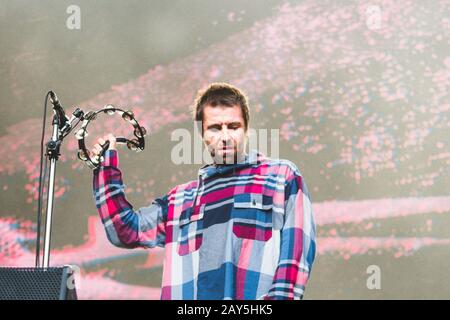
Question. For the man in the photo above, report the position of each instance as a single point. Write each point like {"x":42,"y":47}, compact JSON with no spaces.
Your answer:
{"x":243,"y":230}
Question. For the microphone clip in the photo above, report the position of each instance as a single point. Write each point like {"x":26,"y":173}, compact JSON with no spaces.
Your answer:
{"x":59,"y":110}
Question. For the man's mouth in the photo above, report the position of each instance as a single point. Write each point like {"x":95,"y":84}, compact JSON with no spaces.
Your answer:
{"x":226,"y":149}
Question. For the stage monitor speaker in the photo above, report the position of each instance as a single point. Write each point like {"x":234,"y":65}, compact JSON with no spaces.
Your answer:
{"x":54,"y":283}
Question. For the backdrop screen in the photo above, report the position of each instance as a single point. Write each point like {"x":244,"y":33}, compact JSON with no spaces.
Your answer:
{"x":357,"y":89}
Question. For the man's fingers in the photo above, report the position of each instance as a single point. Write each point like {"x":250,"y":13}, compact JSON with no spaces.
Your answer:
{"x":112,"y":140}
{"x":97,"y":149}
{"x":110,"y":137}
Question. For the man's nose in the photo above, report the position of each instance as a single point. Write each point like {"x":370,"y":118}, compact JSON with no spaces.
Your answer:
{"x":225,"y":135}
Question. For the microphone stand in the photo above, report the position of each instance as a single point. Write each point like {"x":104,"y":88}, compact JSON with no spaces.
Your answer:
{"x":52,"y":152}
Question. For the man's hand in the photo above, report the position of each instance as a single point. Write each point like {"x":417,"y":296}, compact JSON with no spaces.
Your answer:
{"x":97,"y":149}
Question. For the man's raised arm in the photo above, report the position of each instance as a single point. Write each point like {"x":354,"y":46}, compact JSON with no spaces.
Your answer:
{"x":125,"y":227}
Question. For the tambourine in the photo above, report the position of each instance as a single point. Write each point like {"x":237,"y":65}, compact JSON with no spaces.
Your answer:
{"x":137,"y":144}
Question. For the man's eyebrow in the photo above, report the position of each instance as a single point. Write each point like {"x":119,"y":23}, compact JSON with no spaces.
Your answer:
{"x":213,"y":125}
{"x":217,"y":124}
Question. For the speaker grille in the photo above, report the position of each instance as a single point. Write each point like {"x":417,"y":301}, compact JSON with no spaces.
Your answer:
{"x":35,"y":283}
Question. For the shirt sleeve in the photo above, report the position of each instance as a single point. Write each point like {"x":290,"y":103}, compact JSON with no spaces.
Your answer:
{"x":125,"y":227}
{"x":298,"y":244}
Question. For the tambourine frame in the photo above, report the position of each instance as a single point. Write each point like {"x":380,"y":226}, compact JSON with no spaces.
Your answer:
{"x":137,"y":144}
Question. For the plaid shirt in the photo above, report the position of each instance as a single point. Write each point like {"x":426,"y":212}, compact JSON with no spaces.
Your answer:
{"x":241,"y":231}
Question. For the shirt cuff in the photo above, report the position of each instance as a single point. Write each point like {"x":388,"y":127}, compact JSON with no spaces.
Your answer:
{"x":111,"y":159}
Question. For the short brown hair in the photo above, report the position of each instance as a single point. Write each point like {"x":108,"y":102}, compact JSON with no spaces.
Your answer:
{"x":220,"y":93}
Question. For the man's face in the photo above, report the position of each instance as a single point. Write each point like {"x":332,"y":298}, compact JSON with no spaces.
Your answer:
{"x":224,"y":133}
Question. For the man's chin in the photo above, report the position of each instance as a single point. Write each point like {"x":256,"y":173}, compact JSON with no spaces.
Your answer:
{"x":226,"y":158}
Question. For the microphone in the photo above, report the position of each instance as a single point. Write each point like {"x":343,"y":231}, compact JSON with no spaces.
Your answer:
{"x":62,"y":118}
